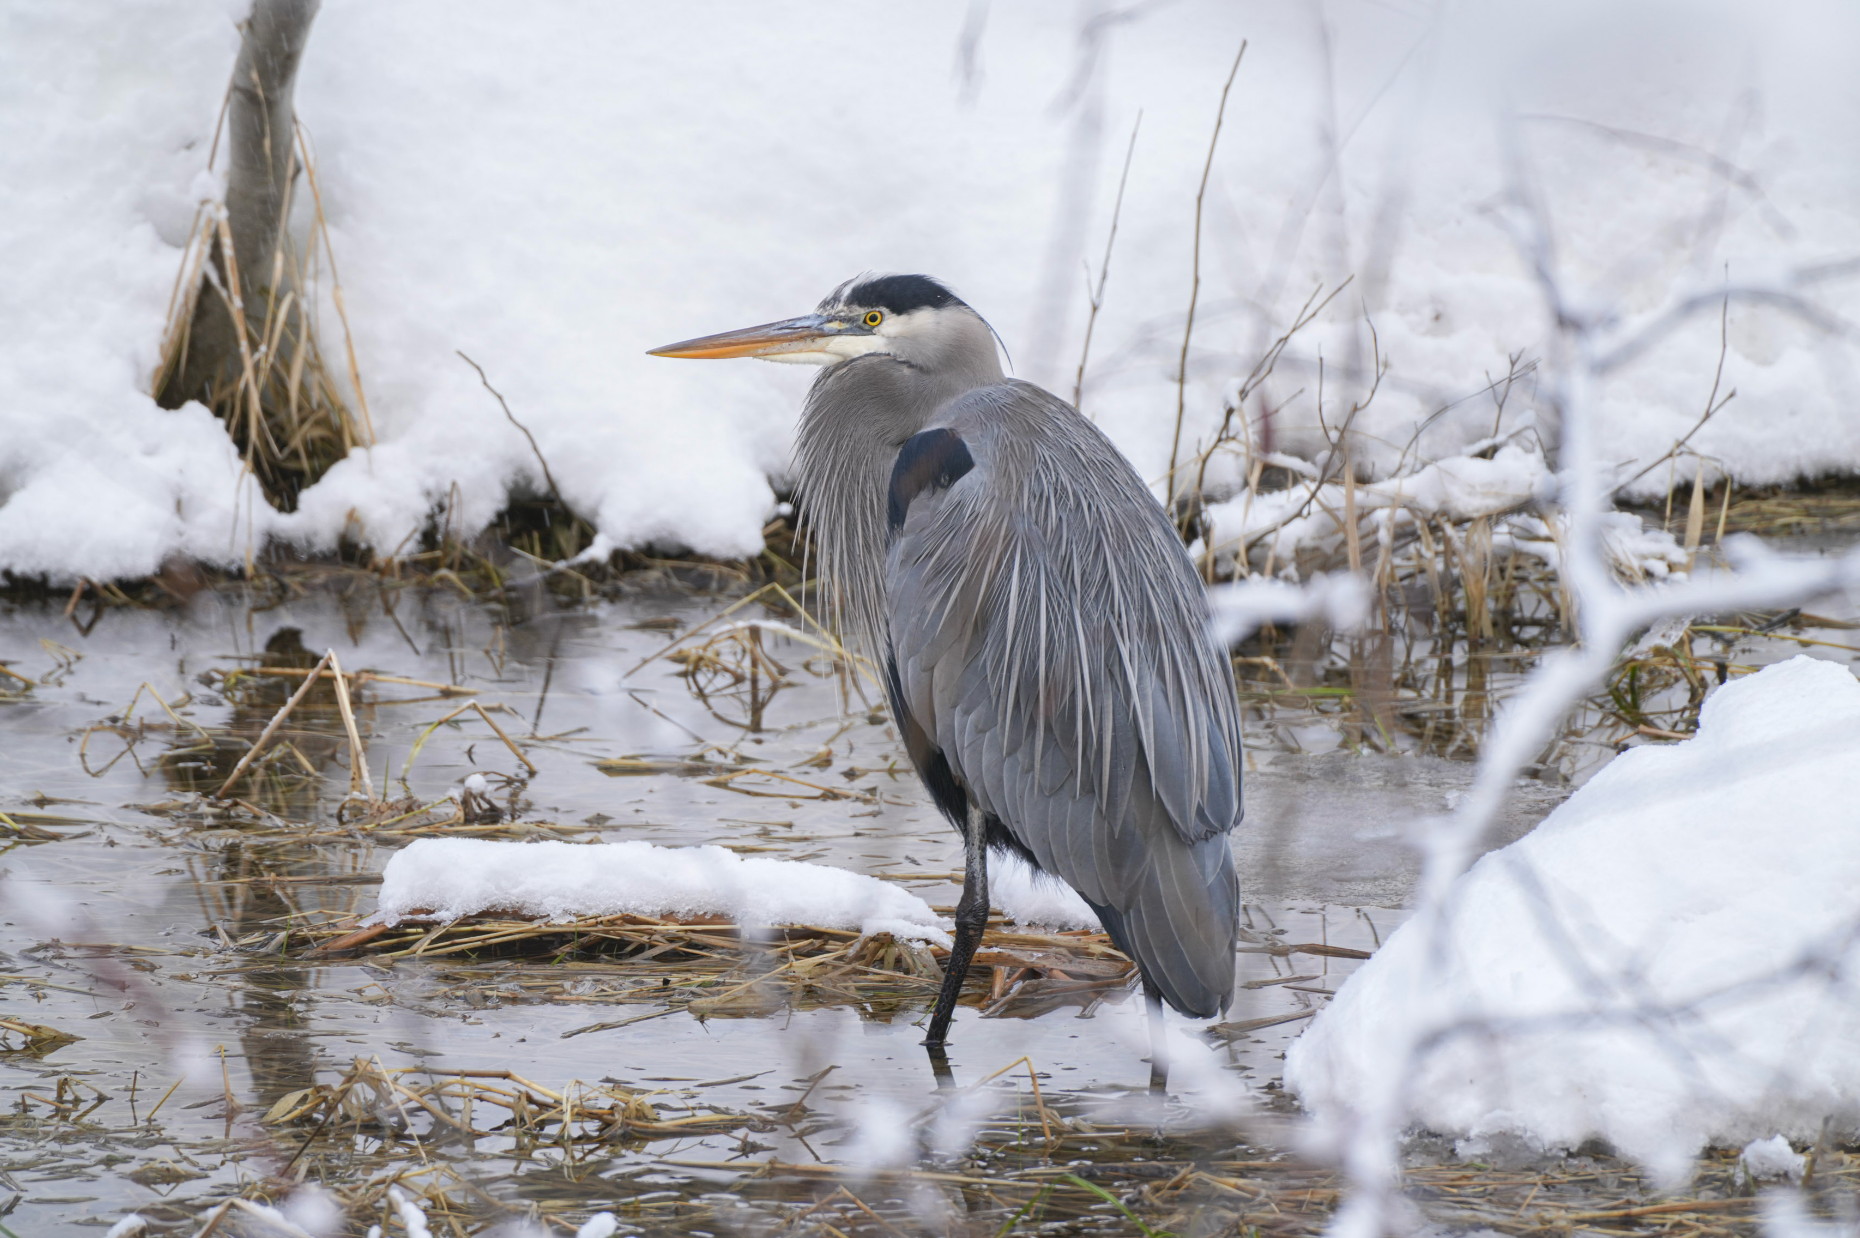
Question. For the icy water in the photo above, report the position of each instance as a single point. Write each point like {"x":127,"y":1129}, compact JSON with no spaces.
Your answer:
{"x":190,"y":1033}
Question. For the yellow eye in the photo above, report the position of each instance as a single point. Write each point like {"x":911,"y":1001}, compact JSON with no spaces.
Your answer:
{"x":873,"y":318}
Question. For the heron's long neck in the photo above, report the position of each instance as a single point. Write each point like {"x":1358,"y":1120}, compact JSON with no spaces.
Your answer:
{"x":856,"y":418}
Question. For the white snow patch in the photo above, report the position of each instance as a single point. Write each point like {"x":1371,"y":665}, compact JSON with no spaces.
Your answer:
{"x":1034,"y":898}
{"x":1239,"y":609}
{"x":1772,"y":1160}
{"x":1466,"y":487}
{"x":412,"y":1216}
{"x":128,"y":1227}
{"x":1302,"y":517}
{"x":600,"y":1225}
{"x":314,"y":1210}
{"x":1650,"y":965}
{"x":556,"y":195}
{"x":447,"y":878}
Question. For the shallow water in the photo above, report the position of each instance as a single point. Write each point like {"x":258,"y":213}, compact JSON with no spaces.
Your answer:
{"x":150,"y":892}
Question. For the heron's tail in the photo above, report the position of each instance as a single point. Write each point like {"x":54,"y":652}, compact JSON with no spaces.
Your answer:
{"x":1178,"y":924}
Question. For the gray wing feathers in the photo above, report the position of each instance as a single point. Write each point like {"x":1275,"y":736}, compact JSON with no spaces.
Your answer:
{"x":1050,"y":635}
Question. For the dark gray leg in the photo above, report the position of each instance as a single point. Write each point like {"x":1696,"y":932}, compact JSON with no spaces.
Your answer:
{"x":1159,"y":1044}
{"x":971,"y":919}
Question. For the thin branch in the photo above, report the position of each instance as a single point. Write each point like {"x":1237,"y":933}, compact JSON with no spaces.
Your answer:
{"x":1104,"y":268}
{"x":1712,"y":402}
{"x":1188,"y":329}
{"x":553,"y":488}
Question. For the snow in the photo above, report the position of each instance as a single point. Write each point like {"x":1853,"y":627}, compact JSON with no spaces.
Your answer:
{"x":447,"y":878}
{"x":600,"y":1225}
{"x":412,"y":1216}
{"x":1239,"y":609}
{"x":131,"y":1225}
{"x":557,"y":193}
{"x":1772,"y":1160}
{"x":1275,"y":526}
{"x":1036,"y":899}
{"x":1664,"y":962}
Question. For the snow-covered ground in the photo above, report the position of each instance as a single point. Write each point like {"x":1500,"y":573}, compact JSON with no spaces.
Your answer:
{"x":557,"y":191}
{"x":1668,"y":960}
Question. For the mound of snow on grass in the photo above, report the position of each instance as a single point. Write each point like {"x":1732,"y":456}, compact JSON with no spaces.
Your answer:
{"x":447,"y":878}
{"x":1665,"y":962}
{"x":1772,"y":1160}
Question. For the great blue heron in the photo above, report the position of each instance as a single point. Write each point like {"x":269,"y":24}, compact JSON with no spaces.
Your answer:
{"x":1043,"y":630}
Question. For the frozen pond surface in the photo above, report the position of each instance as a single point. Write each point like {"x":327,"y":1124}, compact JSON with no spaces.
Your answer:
{"x":152,"y":897}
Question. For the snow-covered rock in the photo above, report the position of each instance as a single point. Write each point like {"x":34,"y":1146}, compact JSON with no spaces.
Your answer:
{"x":1667,"y":961}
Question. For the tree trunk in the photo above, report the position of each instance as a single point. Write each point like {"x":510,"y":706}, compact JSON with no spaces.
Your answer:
{"x":261,"y":166}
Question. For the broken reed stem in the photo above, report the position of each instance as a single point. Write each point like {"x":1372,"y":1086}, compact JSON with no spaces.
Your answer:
{"x":232,"y":292}
{"x":271,"y":728}
{"x":508,"y":742}
{"x":164,"y":1098}
{"x":359,"y":678}
{"x":1188,"y":329}
{"x":1695,"y":514}
{"x":358,"y":756}
{"x":178,"y":720}
{"x":335,"y":282}
{"x":1352,"y":534}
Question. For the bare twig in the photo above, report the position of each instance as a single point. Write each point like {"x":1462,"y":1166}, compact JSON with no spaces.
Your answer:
{"x":537,"y":451}
{"x":1712,"y":402}
{"x":1104,"y":268}
{"x":1188,"y":328}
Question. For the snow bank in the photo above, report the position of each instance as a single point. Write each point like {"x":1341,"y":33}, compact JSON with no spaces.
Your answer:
{"x":1665,"y":962}
{"x":558,"y":190}
{"x":451,"y":877}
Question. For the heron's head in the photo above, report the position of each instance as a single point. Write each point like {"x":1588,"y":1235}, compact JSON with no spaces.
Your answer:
{"x":911,"y":317}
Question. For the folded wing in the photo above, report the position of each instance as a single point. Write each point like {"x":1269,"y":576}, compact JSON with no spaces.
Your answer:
{"x":1053,"y":661}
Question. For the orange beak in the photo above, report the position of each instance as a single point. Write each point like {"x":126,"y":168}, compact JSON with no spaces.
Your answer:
{"x":772,"y":339}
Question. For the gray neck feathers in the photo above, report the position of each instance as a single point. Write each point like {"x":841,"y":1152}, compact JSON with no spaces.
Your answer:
{"x":858,"y":414}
